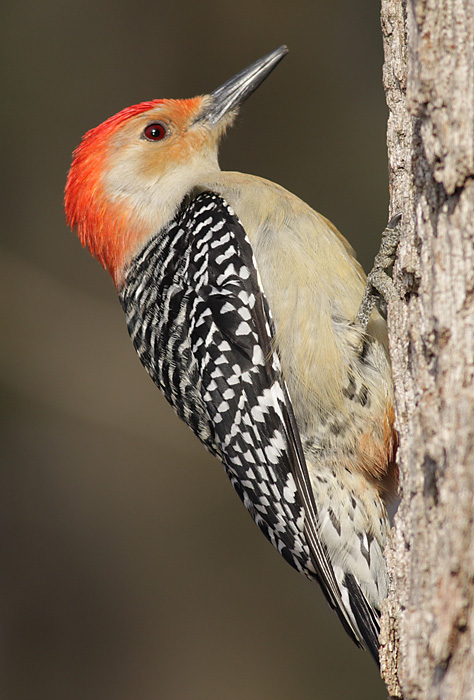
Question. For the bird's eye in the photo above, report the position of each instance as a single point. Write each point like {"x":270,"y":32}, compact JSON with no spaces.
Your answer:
{"x":155,"y":132}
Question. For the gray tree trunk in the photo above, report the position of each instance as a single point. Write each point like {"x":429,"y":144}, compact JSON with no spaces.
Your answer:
{"x":428,"y":623}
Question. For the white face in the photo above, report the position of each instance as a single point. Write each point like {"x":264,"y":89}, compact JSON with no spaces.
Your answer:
{"x":131,"y":173}
{"x":155,"y":158}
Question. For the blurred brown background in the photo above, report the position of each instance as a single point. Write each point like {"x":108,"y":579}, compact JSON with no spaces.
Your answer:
{"x":130,"y":568}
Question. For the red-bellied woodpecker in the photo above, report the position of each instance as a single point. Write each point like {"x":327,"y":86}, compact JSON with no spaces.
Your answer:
{"x":244,"y":305}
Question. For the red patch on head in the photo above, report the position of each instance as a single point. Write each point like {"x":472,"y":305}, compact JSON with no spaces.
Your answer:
{"x":101,"y":226}
{"x":108,"y":228}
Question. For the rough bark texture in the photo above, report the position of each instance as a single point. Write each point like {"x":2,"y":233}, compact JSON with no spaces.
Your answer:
{"x":428,"y":624}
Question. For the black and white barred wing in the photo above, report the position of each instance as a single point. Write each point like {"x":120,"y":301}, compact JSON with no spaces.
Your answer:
{"x":199,"y":320}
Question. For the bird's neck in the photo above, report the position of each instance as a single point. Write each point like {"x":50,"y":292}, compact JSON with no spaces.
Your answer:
{"x":115,"y":230}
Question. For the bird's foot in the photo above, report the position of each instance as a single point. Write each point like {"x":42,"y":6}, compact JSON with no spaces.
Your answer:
{"x":379,"y":284}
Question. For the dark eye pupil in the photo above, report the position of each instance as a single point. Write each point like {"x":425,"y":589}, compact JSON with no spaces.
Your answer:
{"x":155,"y":132}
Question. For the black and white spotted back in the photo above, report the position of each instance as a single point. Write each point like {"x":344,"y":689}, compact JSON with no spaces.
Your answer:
{"x":199,"y":320}
{"x":199,"y":323}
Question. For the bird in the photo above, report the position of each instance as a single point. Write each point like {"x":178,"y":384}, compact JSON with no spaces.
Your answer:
{"x":250,"y":312}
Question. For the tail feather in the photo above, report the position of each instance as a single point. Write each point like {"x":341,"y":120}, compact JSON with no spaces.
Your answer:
{"x":366,"y":616}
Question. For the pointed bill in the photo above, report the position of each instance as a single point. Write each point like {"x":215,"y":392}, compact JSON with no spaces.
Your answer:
{"x":233,"y":92}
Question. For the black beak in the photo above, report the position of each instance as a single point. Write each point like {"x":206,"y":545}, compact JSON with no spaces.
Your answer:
{"x":236,"y":90}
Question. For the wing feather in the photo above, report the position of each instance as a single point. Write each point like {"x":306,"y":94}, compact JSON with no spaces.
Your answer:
{"x":203,"y":329}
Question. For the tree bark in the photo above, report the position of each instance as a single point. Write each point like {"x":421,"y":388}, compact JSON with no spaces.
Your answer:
{"x":427,"y":638}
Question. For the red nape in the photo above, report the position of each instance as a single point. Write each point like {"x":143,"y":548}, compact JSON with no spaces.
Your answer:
{"x":100,"y":225}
